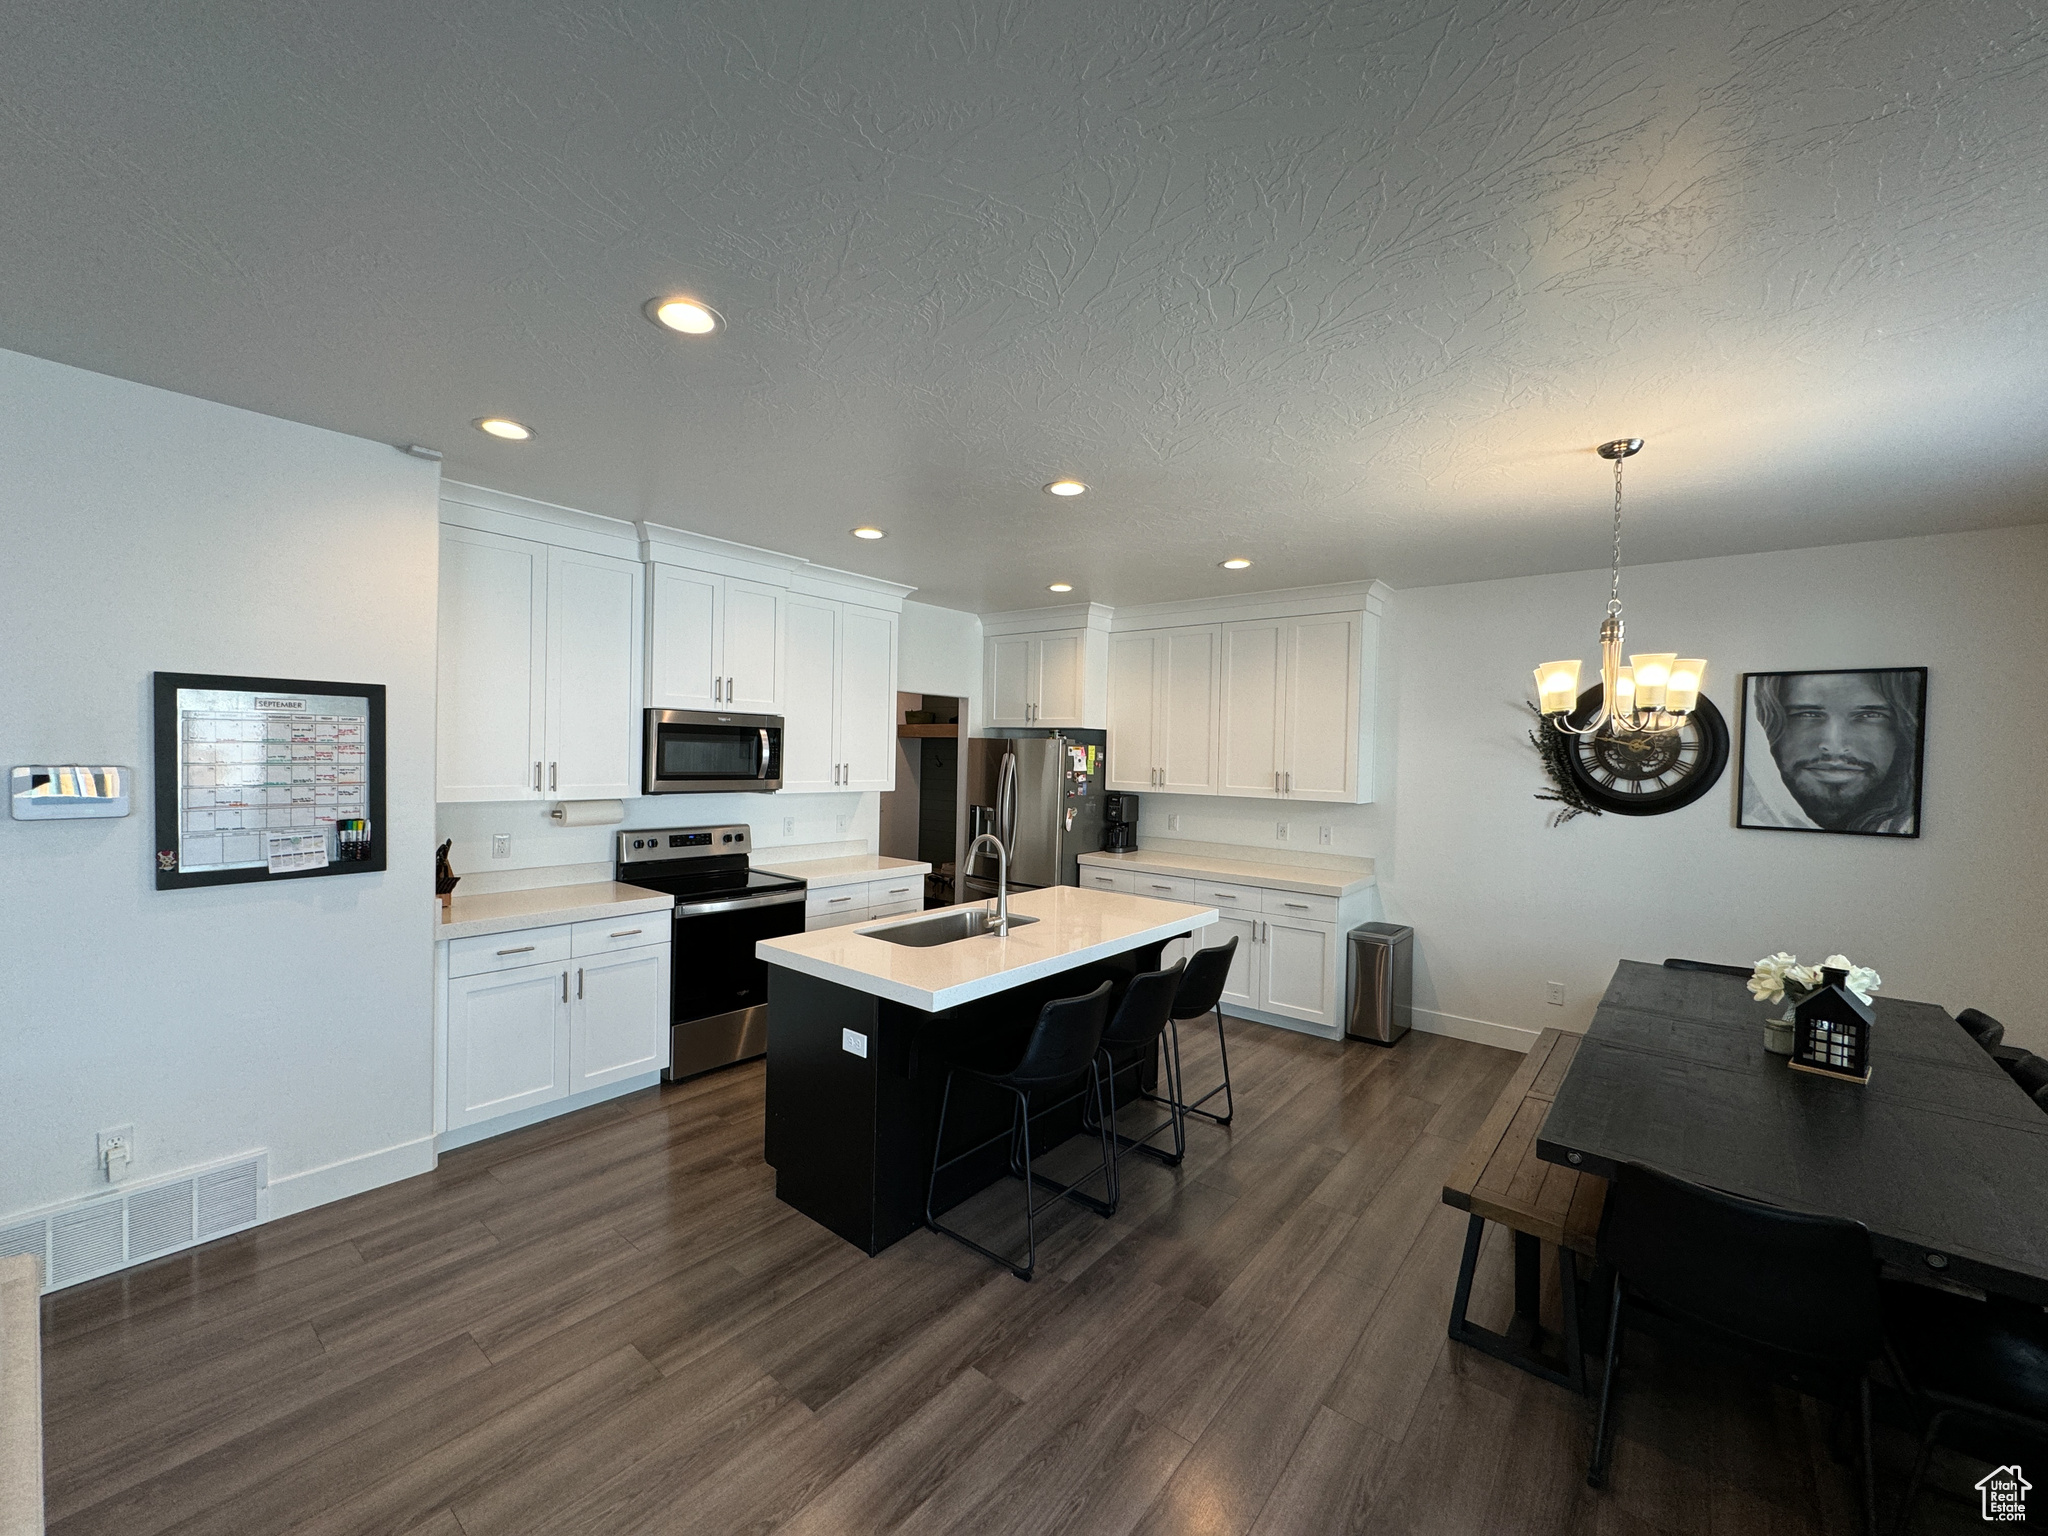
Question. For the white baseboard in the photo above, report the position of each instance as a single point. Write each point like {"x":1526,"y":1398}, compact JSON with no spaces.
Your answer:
{"x":1257,"y":1016}
{"x":351,"y":1176}
{"x":484,"y":1130}
{"x":1509,"y":1037}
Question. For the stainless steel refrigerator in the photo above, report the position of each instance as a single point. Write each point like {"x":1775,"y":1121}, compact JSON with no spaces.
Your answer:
{"x":1046,"y":792}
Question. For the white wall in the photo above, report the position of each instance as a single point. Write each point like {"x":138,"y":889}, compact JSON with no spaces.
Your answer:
{"x":1502,"y":903}
{"x":144,"y":531}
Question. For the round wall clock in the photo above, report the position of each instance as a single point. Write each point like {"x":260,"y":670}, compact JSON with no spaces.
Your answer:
{"x":1648,"y":775}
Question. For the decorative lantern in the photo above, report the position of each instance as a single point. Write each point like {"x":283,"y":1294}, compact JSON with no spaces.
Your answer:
{"x":1831,"y":1037}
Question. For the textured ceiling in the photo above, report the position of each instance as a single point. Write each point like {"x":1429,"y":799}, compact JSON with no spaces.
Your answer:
{"x":1350,"y":289}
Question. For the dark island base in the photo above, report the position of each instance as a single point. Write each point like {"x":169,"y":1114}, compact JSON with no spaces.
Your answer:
{"x":850,"y":1136}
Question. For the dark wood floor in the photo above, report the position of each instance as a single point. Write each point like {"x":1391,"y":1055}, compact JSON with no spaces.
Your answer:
{"x":609,"y":1324}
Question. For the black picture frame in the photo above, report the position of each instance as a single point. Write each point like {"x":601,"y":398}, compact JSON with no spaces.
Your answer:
{"x":1769,"y":799}
{"x":165,"y":688}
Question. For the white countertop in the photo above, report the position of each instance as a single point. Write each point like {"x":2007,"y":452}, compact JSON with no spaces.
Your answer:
{"x":846,"y":871}
{"x":504,"y":911}
{"x":1314,"y":880}
{"x":1075,"y":927}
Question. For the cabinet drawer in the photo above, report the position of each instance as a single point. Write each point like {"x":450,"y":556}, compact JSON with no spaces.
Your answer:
{"x":1099,"y":879}
{"x":602,"y":935}
{"x":837,"y":918}
{"x":508,"y":951}
{"x":890,"y":893}
{"x":1316,"y":909}
{"x":1227,"y":898}
{"x":1161,"y":887}
{"x":895,"y":908}
{"x":835,"y":898}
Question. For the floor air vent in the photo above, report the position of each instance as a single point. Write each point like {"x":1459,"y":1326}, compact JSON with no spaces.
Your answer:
{"x":95,"y":1237}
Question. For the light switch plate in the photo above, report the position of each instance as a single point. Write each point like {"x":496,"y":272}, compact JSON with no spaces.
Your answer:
{"x":853,"y":1042}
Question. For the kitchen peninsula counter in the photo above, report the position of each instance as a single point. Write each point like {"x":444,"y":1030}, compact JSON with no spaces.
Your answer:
{"x":858,"y":1031}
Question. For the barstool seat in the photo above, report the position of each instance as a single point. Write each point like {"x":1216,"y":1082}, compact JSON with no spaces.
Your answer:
{"x":1133,"y":1034}
{"x":1201,"y":991}
{"x":1065,"y":1046}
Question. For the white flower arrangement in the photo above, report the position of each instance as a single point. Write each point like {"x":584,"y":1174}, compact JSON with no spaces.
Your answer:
{"x":1778,"y":976}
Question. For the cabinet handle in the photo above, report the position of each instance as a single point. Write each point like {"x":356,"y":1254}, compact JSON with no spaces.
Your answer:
{"x":579,"y":983}
{"x":627,"y":933}
{"x":565,"y":986}
{"x":833,"y":901}
{"x":523,"y":949}
{"x":536,"y":778}
{"x":551,"y":776}
{"x":1298,"y":906}
{"x":1276,"y":781}
{"x":1162,"y":887}
{"x":1290,"y":781}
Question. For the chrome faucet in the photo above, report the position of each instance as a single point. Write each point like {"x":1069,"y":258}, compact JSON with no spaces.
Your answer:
{"x":1002,"y":878}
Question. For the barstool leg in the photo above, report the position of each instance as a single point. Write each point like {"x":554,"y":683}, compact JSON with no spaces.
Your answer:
{"x":1030,"y":1214}
{"x":938,"y":1145}
{"x":1105,"y":1125}
{"x":1229,"y":1104}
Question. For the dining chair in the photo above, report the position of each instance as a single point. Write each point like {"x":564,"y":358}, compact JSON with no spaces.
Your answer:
{"x":1129,"y":1041}
{"x":1201,"y":991}
{"x":1799,"y":1292}
{"x":1983,"y":1028}
{"x":1980,"y":1361}
{"x":1717,"y":969}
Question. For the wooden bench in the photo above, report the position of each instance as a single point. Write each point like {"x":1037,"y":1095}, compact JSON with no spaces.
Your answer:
{"x":21,"y":1396}
{"x":1501,"y":1179}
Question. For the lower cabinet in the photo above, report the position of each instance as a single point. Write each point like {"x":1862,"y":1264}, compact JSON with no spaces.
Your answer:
{"x":834,"y":906}
{"x":527,"y":1035}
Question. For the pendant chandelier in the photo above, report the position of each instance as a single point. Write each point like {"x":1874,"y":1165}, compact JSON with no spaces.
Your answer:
{"x":1652,"y":694}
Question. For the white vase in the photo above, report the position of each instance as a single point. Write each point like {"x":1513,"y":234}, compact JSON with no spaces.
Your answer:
{"x":1778,"y":1034}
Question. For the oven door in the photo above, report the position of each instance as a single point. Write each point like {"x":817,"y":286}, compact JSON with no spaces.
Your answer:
{"x":699,"y":752}
{"x":719,"y":1008}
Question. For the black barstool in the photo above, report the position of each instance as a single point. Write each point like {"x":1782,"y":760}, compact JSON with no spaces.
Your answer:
{"x":1065,"y":1045}
{"x":1133,"y":1033}
{"x":1201,"y":991}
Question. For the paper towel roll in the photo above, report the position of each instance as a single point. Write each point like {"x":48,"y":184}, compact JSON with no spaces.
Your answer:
{"x":589,"y":813}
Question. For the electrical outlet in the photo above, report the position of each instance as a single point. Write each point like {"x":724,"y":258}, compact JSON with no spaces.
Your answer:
{"x":1280,"y":832}
{"x":1173,"y":822}
{"x":117,"y":1152}
{"x":789,"y":826}
{"x":501,"y":845}
{"x":1553,"y":993}
{"x":1325,"y":835}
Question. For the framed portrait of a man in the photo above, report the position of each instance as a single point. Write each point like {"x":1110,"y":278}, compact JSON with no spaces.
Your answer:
{"x":1836,"y":751}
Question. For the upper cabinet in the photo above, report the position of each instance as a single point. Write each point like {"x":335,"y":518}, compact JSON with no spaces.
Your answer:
{"x":538,"y":691}
{"x":558,"y":628}
{"x":1163,"y":709}
{"x":713,"y":642}
{"x":1297,"y":706}
{"x":839,"y":723}
{"x":1053,"y":673}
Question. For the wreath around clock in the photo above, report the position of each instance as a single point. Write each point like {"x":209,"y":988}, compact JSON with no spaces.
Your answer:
{"x":1646,"y":775}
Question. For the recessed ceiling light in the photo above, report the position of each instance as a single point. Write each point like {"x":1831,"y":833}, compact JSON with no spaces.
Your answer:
{"x":692,"y":317}
{"x":505,"y":427}
{"x":1061,"y":586}
{"x":1066,"y":488}
{"x":868,"y":533}
{"x":1236,"y":563}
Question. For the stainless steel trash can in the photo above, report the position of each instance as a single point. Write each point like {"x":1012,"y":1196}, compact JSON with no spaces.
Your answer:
{"x":1380,"y":1006}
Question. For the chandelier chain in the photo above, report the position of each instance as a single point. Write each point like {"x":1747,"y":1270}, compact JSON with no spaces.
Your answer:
{"x":1614,"y":589}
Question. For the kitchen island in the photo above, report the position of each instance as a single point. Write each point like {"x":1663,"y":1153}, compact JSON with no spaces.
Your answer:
{"x":857,"y":1026}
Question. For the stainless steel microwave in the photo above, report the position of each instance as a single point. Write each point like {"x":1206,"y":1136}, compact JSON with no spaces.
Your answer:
{"x":693,"y":751}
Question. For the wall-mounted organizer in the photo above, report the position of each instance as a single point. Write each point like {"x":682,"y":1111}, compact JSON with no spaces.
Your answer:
{"x":266,"y":778}
{"x":69,"y":791}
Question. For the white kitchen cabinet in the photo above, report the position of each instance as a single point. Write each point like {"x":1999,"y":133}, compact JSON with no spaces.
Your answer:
{"x":1047,"y":679}
{"x":1240,"y":989}
{"x":1283,"y":965}
{"x":491,"y":702}
{"x":839,"y":720}
{"x":713,"y":642}
{"x":1163,"y":719}
{"x":588,"y":1010}
{"x":538,"y":682}
{"x":618,"y":1007}
{"x":508,"y":1042}
{"x":1293,"y":693}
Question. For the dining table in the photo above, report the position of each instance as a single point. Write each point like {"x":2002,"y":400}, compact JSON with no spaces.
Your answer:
{"x":1940,"y":1154}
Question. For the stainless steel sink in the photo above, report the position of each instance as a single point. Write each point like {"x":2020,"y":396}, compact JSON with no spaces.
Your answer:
{"x":948,"y":927}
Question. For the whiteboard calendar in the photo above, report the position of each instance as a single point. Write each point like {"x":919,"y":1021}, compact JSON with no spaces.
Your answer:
{"x":260,"y":778}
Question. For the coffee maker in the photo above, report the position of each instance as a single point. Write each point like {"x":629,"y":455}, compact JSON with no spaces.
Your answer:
{"x":1119,"y":823}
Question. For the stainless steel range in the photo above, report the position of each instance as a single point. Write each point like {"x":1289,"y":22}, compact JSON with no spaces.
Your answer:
{"x":719,"y":1005}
